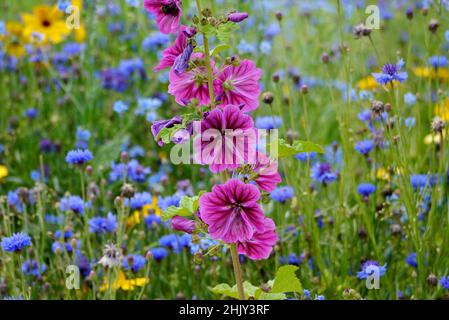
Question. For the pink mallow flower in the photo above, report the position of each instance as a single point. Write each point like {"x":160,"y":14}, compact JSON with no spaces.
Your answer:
{"x":182,"y":224}
{"x":167,"y":12}
{"x":261,"y":244}
{"x":170,"y":54}
{"x":239,"y":85}
{"x":267,"y":173}
{"x":190,"y":84}
{"x":231,"y":211}
{"x":228,"y":139}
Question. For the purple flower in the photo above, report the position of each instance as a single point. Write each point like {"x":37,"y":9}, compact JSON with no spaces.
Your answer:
{"x":103,"y":225}
{"x":366,"y":189}
{"x":237,"y":16}
{"x":364,"y":147}
{"x":371,"y":267}
{"x":182,"y":224}
{"x":158,"y":125}
{"x":322,"y":173}
{"x":182,"y":61}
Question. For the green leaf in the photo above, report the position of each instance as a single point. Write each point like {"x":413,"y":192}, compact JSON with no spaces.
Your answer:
{"x":286,"y":280}
{"x":271,"y":296}
{"x":226,"y":290}
{"x":208,"y":30}
{"x":220,"y":48}
{"x":287,"y":150}
{"x":187,"y":207}
{"x":225,"y":30}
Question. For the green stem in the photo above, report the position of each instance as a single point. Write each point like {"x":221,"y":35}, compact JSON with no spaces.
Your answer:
{"x":237,"y":271}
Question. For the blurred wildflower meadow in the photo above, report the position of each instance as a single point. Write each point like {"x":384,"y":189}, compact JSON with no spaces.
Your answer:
{"x":96,"y":93}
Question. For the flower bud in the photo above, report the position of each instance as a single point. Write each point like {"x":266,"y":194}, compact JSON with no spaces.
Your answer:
{"x":237,"y":16}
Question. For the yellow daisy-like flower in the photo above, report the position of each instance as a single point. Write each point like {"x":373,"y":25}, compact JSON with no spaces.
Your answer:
{"x":368,"y":83}
{"x":80,"y":34}
{"x":383,"y":174}
{"x":3,"y":172}
{"x":136,"y":216}
{"x":46,"y":21}
{"x":442,"y":110}
{"x":14,"y":39}
{"x":125,"y":284}
{"x":424,"y":72}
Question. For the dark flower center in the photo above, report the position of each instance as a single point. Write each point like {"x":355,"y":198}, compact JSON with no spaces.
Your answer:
{"x":390,"y":69}
{"x":46,"y":23}
{"x":170,"y":9}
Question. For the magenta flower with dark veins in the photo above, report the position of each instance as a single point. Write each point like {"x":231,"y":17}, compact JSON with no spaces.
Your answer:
{"x":231,"y":211}
{"x":228,"y":139}
{"x":170,"y":54}
{"x":167,"y":12}
{"x":239,"y":85}
{"x":261,"y":244}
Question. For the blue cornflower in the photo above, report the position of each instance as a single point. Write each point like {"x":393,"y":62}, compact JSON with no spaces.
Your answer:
{"x":371,"y":267}
{"x":306,"y":294}
{"x":147,"y":104}
{"x":82,"y":134}
{"x":13,"y":200}
{"x":120,"y":107}
{"x":411,"y":260}
{"x":204,"y":244}
{"x":66,"y":234}
{"x":364,"y":147}
{"x":134,"y":262}
{"x":304,"y":156}
{"x":32,"y":268}
{"x":154,"y":41}
{"x":409,"y":99}
{"x":103,"y":225}
{"x":73,"y":49}
{"x":319,"y":297}
{"x":134,"y":171}
{"x":159,"y":253}
{"x":174,"y":242}
{"x":438,"y":62}
{"x":322,"y":173}
{"x":31,"y":113}
{"x":391,"y":72}
{"x":2,"y":28}
{"x":282,"y":194}
{"x":139,"y":200}
{"x":133,"y":3}
{"x":410,"y":122}
{"x":62,"y":5}
{"x":168,"y":201}
{"x":78,"y":157}
{"x":268,"y":122}
{"x":446,"y":35}
{"x":16,"y":242}
{"x":365,"y":115}
{"x":421,"y":181}
{"x":74,"y":203}
{"x":366,"y":189}
{"x":444,"y":281}
{"x":136,"y":151}
{"x":152,"y":220}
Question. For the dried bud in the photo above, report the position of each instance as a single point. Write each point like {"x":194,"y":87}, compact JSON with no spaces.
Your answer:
{"x":409,"y":13}
{"x":89,"y":170}
{"x":325,"y":58}
{"x":279,"y":15}
{"x":432,"y":280}
{"x":127,"y":191}
{"x":433,"y":25}
{"x":268,"y":98}
{"x":438,"y":125}
{"x":304,"y":89}
{"x":124,"y":156}
{"x":275,"y":77}
{"x":377,"y":107}
{"x":361,"y":30}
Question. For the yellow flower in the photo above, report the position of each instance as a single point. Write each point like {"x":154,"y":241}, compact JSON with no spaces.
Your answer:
{"x":152,"y":208}
{"x":3,"y":172}
{"x":368,"y":83}
{"x":80,"y":33}
{"x":383,"y":174}
{"x":423,"y":72}
{"x":46,"y":21}
{"x":434,"y":138}
{"x":14,"y":39}
{"x":442,"y":110}
{"x":125,"y":284}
